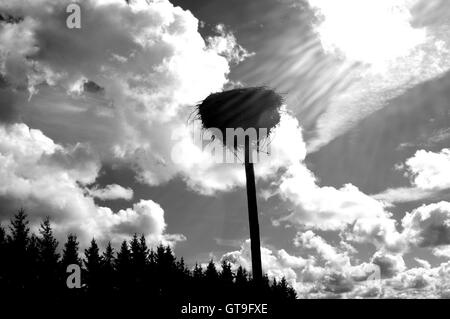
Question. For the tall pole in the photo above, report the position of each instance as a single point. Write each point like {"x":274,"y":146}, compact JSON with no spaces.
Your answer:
{"x":253,"y":214}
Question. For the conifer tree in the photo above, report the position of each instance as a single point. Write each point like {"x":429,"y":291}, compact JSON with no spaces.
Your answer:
{"x":19,"y":237}
{"x":123,"y":267}
{"x":169,"y":258}
{"x":36,"y":275}
{"x":70,"y":252}
{"x":3,"y":255}
{"x":198,"y":272}
{"x":211,"y":274}
{"x":108,"y":269}
{"x":143,"y":248}
{"x":241,"y":277}
{"x":139,"y":253}
{"x":18,"y":241}
{"x":226,"y":275}
{"x":2,"y":238}
{"x":48,"y":256}
{"x":92,"y":263}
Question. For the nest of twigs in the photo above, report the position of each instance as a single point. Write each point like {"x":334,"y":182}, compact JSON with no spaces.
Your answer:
{"x":255,"y":107}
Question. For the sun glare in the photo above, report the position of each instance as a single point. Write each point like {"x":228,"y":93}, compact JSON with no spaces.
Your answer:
{"x":371,"y":32}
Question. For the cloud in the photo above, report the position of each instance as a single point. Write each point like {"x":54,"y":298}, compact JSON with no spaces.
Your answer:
{"x":48,"y":179}
{"x":390,"y":264}
{"x":276,"y":264}
{"x":404,"y":195}
{"x":343,"y":276}
{"x":325,"y":207}
{"x":423,"y":263}
{"x":429,"y":175}
{"x":337,"y":276}
{"x":112,"y":192}
{"x":381,"y":232}
{"x":124,"y":95}
{"x":428,"y":225}
{"x":332,"y":258}
{"x":411,"y":53}
{"x":442,"y":252}
{"x":429,"y":170}
{"x":225,"y":44}
{"x":146,"y":217}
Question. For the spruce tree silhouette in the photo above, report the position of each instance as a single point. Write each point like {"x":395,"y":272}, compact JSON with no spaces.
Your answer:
{"x":92,"y":263}
{"x":2,"y":257}
{"x":211,"y":281}
{"x":151,"y":274}
{"x":139,"y":261}
{"x":226,"y":275}
{"x":198,"y":272}
{"x":18,"y":261}
{"x":70,"y":256}
{"x":123,"y":268}
{"x":182,"y":274}
{"x":197,"y":281}
{"x":241,"y":277}
{"x":70,"y":252}
{"x":134,"y":275}
{"x":107,"y":273}
{"x":211,"y":274}
{"x":282,"y":291}
{"x":35,"y":273}
{"x":226,"y":278}
{"x":241,"y":282}
{"x":48,"y":257}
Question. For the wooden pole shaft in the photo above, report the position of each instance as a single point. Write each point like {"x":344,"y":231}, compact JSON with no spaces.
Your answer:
{"x":253,"y":214}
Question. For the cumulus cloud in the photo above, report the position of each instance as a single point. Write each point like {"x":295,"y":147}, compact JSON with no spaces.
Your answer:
{"x":225,"y":44}
{"x":335,"y":275}
{"x":111,"y":192}
{"x":276,"y":264}
{"x":443,"y":251}
{"x":390,"y":264}
{"x":428,"y":225}
{"x":430,"y":170}
{"x":125,"y":94}
{"x":385,"y":276}
{"x":337,"y":260}
{"x":50,"y":180}
{"x":111,"y":92}
{"x":381,"y":232}
{"x":428,"y":173}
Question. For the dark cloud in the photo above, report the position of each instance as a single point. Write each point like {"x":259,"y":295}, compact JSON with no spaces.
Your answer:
{"x":92,"y":87}
{"x":389,"y":265}
{"x":337,"y":283}
{"x":7,"y":18}
{"x":435,"y":235}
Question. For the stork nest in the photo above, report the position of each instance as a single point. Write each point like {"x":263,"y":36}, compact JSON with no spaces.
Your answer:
{"x":255,"y":107}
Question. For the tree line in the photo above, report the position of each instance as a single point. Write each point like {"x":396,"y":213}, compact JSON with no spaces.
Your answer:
{"x":31,"y":264}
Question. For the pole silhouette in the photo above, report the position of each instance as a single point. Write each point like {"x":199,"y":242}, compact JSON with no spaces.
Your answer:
{"x":253,"y":214}
{"x":256,"y":108}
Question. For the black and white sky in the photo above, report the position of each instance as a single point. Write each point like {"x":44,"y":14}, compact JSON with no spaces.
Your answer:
{"x":95,"y":132}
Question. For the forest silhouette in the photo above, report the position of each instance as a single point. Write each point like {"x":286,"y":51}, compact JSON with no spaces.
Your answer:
{"x":32,"y":265}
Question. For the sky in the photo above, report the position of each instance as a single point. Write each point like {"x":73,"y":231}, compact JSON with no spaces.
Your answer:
{"x":96,"y":123}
